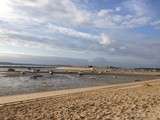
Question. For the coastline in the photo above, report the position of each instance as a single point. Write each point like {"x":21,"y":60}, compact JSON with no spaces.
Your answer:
{"x":19,"y":73}
{"x":41,"y":95}
{"x":138,"y":100}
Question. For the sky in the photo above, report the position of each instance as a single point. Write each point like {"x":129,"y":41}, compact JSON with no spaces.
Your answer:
{"x":117,"y":32}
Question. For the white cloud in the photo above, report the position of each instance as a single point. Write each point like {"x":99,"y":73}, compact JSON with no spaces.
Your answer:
{"x":112,"y":49}
{"x":104,"y":40}
{"x":35,"y":23}
{"x":64,"y":15}
{"x":137,"y":15}
{"x":29,"y":39}
{"x":71,"y":32}
{"x":31,"y":3}
{"x":19,"y":43}
{"x":138,"y":7}
{"x":68,"y":13}
{"x":136,"y":22}
{"x":5,"y":9}
{"x":118,"y":9}
{"x":104,"y":12}
{"x":156,"y":24}
{"x":62,"y":11}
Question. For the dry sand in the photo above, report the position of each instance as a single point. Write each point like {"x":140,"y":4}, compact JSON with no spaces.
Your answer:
{"x":133,"y":101}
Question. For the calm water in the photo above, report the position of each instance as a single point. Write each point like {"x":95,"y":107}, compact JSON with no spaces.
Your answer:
{"x":26,"y":84}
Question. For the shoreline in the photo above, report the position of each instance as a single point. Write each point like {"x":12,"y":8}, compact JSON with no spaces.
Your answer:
{"x":131,"y":101}
{"x":27,"y":73}
{"x":40,"y":95}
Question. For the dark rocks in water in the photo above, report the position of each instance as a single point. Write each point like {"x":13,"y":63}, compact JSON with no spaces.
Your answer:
{"x":38,"y":70}
{"x":36,"y":76}
{"x":35,"y":70}
{"x":11,"y":70}
{"x":29,"y":68}
{"x":90,"y":66}
{"x":23,"y":73}
{"x":80,"y":73}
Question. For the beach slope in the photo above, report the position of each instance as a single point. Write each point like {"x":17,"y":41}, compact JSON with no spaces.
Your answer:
{"x":132,"y":101}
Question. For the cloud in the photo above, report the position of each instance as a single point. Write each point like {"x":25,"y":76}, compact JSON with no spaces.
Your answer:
{"x":137,"y":15}
{"x":137,"y":21}
{"x":104,"y":40}
{"x":156,"y":24}
{"x":31,"y":3}
{"x":68,"y":25}
{"x":68,"y":13}
{"x":64,"y":11}
{"x":123,"y":48}
{"x":129,"y":14}
{"x":53,"y":37}
{"x":136,"y":7}
{"x":6,"y":9}
{"x":112,"y":49}
{"x":71,"y":32}
{"x":25,"y":44}
{"x":118,"y":9}
{"x":104,"y":12}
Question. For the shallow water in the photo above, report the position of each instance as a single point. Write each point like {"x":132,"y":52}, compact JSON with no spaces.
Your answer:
{"x":26,"y":84}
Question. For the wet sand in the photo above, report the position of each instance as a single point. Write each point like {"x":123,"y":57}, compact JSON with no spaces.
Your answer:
{"x":131,"y":101}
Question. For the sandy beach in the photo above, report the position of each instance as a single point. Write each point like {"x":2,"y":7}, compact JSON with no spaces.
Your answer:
{"x":130,"y":101}
{"x":79,"y":59}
